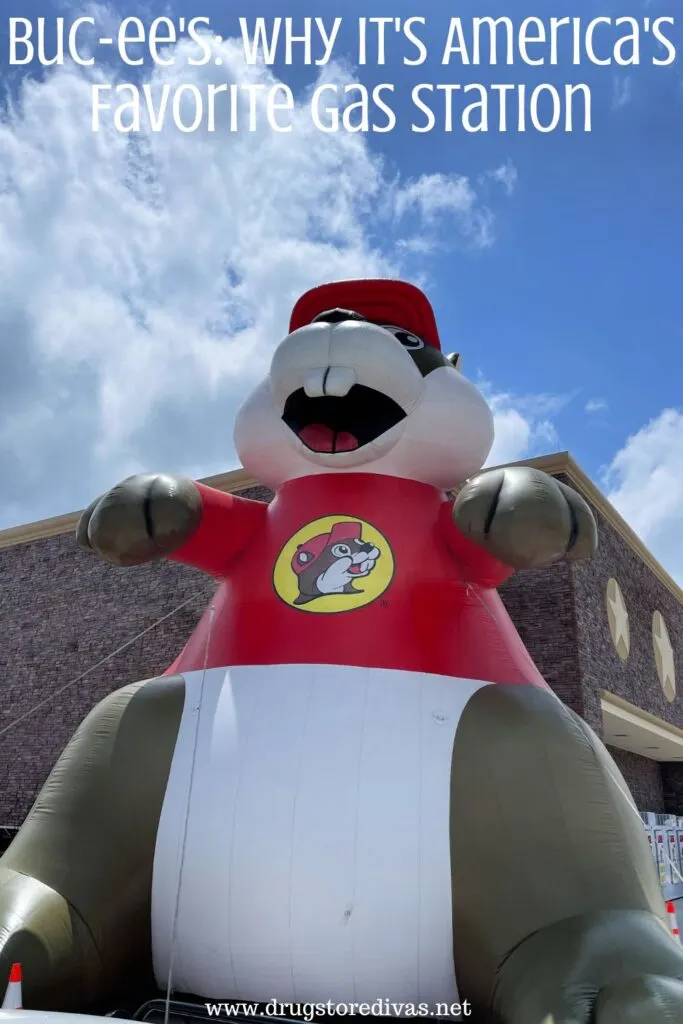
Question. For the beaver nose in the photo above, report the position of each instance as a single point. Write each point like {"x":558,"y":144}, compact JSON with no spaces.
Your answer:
{"x":365,"y":548}
{"x":329,"y":380}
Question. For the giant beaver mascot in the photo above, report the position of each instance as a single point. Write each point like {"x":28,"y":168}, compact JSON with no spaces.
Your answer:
{"x":353,"y":783}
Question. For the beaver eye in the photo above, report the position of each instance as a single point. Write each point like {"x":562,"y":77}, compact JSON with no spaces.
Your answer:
{"x":341,"y":551}
{"x":408,"y":340}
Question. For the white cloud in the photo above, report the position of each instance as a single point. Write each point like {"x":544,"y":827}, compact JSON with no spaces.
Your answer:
{"x":524,"y":425}
{"x":145,"y":280}
{"x":622,"y":91}
{"x":595,"y":405}
{"x":644,"y":482}
{"x":434,"y":195}
{"x":505,"y":175}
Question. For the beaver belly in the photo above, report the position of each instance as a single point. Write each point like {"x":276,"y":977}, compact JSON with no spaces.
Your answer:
{"x":315,"y":854}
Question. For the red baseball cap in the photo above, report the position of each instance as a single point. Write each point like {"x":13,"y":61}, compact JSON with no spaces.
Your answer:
{"x":380,"y":300}
{"x":307,"y":553}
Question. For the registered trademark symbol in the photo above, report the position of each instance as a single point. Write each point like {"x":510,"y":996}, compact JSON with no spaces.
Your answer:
{"x":384,"y":604}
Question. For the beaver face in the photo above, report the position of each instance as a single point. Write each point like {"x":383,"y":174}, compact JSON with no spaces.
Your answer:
{"x":344,"y":394}
{"x":335,"y":569}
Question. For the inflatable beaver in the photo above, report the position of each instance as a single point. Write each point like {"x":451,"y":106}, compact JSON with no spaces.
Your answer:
{"x":353,"y":784}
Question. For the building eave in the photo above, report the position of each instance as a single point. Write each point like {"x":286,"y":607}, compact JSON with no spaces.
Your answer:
{"x":234,"y":480}
{"x":562,"y":462}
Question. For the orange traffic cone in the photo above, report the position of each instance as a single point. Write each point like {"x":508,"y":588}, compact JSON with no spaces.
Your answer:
{"x":673,"y":923}
{"x":13,"y":999}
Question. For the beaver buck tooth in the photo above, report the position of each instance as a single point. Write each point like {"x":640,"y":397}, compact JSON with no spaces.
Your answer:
{"x":314,"y":383}
{"x":339,"y":380}
{"x":329,"y":380}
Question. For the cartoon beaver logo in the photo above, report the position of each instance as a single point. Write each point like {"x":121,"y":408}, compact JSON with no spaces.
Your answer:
{"x":334,"y":564}
{"x":331,"y":562}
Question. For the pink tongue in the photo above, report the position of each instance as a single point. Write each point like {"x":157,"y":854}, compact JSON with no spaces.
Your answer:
{"x":323,"y":439}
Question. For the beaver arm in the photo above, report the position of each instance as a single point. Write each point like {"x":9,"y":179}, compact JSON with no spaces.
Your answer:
{"x":227,"y":525}
{"x":477,"y":565}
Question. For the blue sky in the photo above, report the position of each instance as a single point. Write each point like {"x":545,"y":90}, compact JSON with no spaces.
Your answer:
{"x":569,"y":309}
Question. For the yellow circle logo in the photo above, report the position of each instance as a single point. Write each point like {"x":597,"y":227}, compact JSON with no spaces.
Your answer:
{"x":334,"y":564}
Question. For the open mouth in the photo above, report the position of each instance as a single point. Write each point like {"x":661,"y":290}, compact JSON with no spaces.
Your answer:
{"x":331,"y":424}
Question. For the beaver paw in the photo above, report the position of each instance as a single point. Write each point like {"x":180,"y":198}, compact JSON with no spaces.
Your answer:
{"x":147,"y":516}
{"x":645,"y":1000}
{"x":525,"y":518}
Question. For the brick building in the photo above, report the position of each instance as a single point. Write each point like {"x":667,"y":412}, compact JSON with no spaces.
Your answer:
{"x":607,"y":634}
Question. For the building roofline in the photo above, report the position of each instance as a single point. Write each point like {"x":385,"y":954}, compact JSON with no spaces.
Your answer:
{"x":234,"y":480}
{"x":238,"y":480}
{"x":562,"y":462}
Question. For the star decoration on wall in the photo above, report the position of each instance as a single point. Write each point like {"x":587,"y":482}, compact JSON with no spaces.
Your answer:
{"x":664,"y":656}
{"x":617,"y":616}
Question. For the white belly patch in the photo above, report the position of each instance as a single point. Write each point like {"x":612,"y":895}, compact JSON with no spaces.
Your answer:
{"x":316,"y":858}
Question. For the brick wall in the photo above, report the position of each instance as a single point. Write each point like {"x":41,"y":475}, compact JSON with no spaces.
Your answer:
{"x":541,"y":604}
{"x":636,"y":679}
{"x":644,"y":779}
{"x":672,"y":788}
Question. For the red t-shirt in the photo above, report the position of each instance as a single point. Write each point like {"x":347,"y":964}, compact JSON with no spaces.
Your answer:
{"x":354,"y":569}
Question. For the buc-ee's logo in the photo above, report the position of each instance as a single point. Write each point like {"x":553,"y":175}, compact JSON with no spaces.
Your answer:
{"x":335,"y":564}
